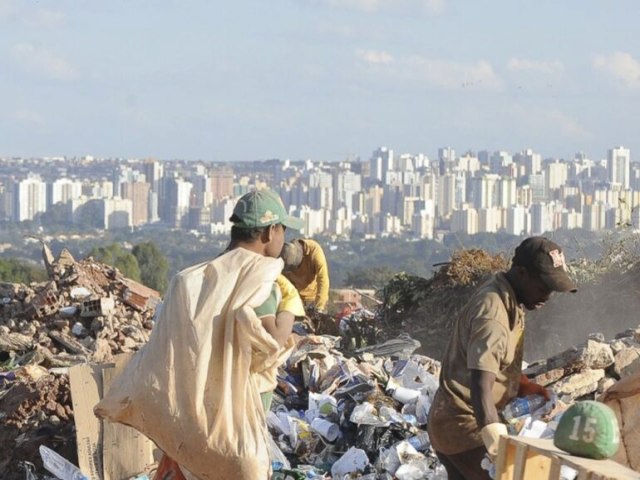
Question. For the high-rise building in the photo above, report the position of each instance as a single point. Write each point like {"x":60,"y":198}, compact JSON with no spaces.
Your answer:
{"x":465,"y":220}
{"x":618,"y":166}
{"x":484,"y":191}
{"x":221,"y":179}
{"x":381,"y":162}
{"x":62,"y":190}
{"x":556,"y":174}
{"x":446,"y":195}
{"x":531,"y":161}
{"x":29,"y":198}
{"x":518,"y":220}
{"x":138,"y":193}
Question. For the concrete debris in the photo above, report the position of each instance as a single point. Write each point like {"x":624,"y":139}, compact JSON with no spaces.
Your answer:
{"x":86,"y":312}
{"x":588,"y":369}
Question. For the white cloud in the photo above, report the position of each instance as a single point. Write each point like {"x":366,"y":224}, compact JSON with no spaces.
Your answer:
{"x":7,"y":9}
{"x":43,"y":18}
{"x":430,"y":6}
{"x":546,"y":123}
{"x":26,"y":13}
{"x":28,"y":117}
{"x":568,"y":125}
{"x":38,"y":60}
{"x":526,"y":65}
{"x":453,"y":75}
{"x":621,"y":66}
{"x":374,"y":57}
{"x":444,"y":74}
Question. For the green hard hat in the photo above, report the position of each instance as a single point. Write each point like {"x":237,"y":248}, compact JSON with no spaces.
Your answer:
{"x":588,"y":429}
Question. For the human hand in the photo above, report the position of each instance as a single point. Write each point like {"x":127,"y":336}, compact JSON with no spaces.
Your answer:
{"x":491,"y":434}
{"x":528,"y":387}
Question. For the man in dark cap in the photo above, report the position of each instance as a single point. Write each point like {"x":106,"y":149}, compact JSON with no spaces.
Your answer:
{"x":482,"y":365}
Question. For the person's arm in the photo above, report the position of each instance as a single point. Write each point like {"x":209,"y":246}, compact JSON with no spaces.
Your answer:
{"x":279,"y":326}
{"x":491,"y":429}
{"x":482,"y":397}
{"x":322,"y":278}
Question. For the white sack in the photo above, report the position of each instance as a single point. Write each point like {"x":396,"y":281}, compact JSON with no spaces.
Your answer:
{"x":193,"y":388}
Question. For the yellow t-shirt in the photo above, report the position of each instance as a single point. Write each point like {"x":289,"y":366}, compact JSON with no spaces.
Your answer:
{"x":488,"y":335}
{"x":311,"y":278}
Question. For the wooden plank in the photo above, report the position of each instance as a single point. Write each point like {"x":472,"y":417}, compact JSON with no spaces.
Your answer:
{"x":501,"y":459}
{"x":521,"y":458}
{"x":86,"y":390}
{"x":537,"y":465}
{"x":554,"y":470}
{"x":126,"y":452}
{"x":586,"y":466}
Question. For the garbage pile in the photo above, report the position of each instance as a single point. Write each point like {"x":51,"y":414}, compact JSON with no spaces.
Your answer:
{"x":86,"y":312}
{"x":364,"y":414}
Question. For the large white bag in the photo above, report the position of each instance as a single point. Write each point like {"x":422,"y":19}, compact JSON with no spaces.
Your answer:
{"x":193,"y":388}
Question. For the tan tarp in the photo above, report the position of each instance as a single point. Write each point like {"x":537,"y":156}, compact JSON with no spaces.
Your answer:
{"x":624,"y":399}
{"x":193,"y":388}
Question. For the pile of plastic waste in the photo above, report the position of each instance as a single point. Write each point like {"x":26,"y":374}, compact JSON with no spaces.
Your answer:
{"x":354,"y":417}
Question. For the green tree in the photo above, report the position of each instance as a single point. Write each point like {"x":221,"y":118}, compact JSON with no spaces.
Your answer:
{"x":116,"y":256}
{"x":374,"y":277}
{"x":154,"y":267}
{"x":17,"y":271}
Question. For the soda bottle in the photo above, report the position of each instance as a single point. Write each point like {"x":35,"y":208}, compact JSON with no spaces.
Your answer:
{"x":522,"y":406}
{"x":60,"y":466}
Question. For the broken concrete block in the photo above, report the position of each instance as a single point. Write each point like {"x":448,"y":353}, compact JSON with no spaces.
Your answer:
{"x":605,"y":383}
{"x":578,"y":384}
{"x":591,"y":355}
{"x":549,"y":377}
{"x":627,"y":362}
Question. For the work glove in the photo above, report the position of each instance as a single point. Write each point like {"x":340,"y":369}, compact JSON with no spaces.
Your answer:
{"x":527,"y":387}
{"x":491,"y":437}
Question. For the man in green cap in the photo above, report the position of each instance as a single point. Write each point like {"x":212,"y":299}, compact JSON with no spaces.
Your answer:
{"x":482,"y":365}
{"x":201,"y":386}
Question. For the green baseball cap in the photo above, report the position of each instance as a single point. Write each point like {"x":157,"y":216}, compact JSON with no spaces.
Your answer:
{"x":261,"y":208}
{"x":588,"y":429}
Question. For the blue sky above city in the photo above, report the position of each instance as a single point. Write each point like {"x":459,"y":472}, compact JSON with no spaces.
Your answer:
{"x":318,"y":79}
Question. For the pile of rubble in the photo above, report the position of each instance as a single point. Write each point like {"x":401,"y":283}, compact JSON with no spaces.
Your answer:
{"x":86,"y":312}
{"x":589,"y":369}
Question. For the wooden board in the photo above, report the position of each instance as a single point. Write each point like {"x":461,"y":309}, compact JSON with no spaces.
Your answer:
{"x":522,"y":458}
{"x":106,"y":451}
{"x":86,"y":390}
{"x":125,"y":451}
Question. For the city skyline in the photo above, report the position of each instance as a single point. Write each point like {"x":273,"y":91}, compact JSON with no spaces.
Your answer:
{"x":390,"y":194}
{"x":318,"y":79}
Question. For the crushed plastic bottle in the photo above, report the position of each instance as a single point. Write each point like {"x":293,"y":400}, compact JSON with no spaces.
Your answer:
{"x":60,"y":466}
{"x":420,"y":441}
{"x":522,"y":406}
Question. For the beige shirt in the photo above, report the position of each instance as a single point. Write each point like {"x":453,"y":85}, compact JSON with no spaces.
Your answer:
{"x":488,"y":335}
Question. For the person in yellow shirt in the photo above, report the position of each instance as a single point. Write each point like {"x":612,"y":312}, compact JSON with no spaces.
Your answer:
{"x":306,"y":267}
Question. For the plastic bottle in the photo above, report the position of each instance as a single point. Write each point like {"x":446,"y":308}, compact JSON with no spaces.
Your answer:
{"x":420,"y":441}
{"x":522,"y":406}
{"x":60,"y":466}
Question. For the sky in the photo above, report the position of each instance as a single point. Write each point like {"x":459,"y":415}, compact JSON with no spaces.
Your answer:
{"x":317,"y":79}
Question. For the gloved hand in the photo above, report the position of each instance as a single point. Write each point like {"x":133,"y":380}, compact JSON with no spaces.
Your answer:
{"x":527,"y":387}
{"x":491,"y":437}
